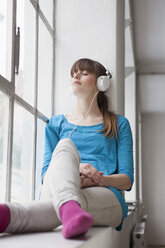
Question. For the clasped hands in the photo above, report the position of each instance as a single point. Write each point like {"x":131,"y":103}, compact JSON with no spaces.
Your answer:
{"x":90,"y":176}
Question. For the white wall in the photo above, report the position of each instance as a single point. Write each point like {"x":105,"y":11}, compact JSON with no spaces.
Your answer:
{"x":153,"y":170}
{"x":149,"y":19}
{"x":152,"y":91}
{"x":152,"y":105}
{"x":88,"y":29}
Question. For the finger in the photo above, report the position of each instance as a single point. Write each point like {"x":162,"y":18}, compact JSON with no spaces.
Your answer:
{"x":100,"y":181}
{"x":101,"y":172}
{"x":91,"y":173}
{"x":100,"y":178}
{"x":82,"y":178}
{"x":97,"y":177}
{"x":86,"y":172}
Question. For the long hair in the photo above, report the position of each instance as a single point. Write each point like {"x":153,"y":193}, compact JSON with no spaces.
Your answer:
{"x":110,"y":119}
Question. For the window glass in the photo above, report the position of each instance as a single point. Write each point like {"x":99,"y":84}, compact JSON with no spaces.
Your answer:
{"x":6,"y":38}
{"x":22,"y":160}
{"x":25,"y":79}
{"x":47,"y":9}
{"x":40,"y":152}
{"x":129,"y":57}
{"x":45,"y":64}
{"x":127,"y":9}
{"x":4,"y":112}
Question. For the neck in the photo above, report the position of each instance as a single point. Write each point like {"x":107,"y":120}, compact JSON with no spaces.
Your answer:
{"x":82,"y":108}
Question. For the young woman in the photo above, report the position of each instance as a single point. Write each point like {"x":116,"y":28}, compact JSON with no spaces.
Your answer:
{"x":88,"y":162}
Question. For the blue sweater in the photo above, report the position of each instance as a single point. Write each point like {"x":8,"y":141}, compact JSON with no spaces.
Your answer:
{"x":104,"y":154}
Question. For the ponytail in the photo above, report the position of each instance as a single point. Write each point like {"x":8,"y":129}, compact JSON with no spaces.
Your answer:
{"x":109,"y":118}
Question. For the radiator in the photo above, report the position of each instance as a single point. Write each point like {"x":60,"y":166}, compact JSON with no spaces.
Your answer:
{"x":139,"y":234}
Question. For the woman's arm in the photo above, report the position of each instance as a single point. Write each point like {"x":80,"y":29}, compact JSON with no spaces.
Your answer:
{"x":51,"y":140}
{"x":124,"y":156}
{"x":118,"y":181}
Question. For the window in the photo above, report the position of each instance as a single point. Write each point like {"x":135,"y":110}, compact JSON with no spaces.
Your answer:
{"x":26,"y":94}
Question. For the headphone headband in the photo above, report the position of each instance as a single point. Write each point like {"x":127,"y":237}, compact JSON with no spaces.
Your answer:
{"x":108,"y":73}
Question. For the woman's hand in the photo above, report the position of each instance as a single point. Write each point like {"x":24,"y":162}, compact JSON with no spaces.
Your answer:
{"x":87,"y":182}
{"x":91,"y":173}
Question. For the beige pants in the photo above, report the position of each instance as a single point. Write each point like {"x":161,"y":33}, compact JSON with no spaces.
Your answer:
{"x":61,"y":184}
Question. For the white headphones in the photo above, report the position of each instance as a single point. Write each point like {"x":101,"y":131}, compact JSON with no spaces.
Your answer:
{"x":103,"y":82}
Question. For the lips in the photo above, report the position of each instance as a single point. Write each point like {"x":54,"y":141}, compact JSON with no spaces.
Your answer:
{"x":76,"y":82}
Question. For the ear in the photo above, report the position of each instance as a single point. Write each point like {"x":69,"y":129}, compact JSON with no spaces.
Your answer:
{"x":103,"y":83}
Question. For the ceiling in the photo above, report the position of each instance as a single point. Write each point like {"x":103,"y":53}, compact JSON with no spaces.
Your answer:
{"x":149,"y":35}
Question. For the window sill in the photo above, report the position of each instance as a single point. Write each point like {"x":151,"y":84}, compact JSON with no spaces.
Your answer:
{"x":105,"y":237}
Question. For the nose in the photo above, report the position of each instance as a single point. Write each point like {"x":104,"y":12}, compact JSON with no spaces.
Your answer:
{"x":76,"y":75}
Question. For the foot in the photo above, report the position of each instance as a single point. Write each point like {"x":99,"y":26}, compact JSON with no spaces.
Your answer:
{"x":4,"y":217}
{"x":74,"y":219}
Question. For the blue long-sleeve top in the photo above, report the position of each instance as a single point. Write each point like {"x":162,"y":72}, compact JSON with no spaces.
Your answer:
{"x":105,"y":154}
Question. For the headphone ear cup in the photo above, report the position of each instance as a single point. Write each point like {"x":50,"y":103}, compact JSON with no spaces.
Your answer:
{"x":103,"y":83}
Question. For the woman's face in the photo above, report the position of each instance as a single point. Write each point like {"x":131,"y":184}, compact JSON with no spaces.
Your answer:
{"x":83,"y":82}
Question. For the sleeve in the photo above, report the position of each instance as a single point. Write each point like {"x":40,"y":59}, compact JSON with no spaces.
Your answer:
{"x":51,"y":140}
{"x":125,"y":151}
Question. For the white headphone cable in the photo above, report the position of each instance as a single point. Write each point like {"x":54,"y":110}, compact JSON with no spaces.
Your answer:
{"x":86,"y":114}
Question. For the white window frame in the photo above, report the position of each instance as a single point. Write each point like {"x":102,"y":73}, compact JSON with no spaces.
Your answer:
{"x":130,"y":69}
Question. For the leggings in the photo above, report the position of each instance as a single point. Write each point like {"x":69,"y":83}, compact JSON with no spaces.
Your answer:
{"x":62,"y":183}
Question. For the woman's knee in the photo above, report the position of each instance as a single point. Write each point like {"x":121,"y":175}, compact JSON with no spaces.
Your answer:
{"x":103,"y":205}
{"x":107,"y":217}
{"x":64,"y":147}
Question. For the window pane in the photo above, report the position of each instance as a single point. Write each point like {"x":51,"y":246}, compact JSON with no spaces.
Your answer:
{"x":40,"y":151}
{"x":45,"y":70}
{"x":129,"y":57}
{"x":25,"y":80}
{"x":127,"y":9}
{"x":4,"y":112}
{"x":22,"y":155}
{"x":6,"y":38}
{"x":47,"y":8}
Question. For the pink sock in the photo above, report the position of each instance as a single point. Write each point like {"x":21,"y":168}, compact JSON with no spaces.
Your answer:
{"x":74,"y":219}
{"x":4,"y":217}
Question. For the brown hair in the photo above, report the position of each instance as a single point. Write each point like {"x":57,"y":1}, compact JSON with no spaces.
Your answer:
{"x":109,"y":118}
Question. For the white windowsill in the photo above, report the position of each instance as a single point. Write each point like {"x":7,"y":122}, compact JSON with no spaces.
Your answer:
{"x":104,"y":237}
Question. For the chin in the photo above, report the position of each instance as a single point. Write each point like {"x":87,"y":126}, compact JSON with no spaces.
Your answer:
{"x":75,"y":91}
